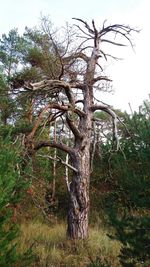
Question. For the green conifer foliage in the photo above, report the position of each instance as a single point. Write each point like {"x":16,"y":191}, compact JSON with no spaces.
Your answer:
{"x":129,"y":213}
{"x":12,"y":186}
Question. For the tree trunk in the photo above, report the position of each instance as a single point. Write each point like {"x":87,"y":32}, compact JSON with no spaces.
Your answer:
{"x":79,"y":198}
{"x":79,"y":203}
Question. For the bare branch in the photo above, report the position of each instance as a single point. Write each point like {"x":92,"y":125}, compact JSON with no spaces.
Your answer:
{"x":93,"y":23}
{"x":122,"y":29}
{"x":96,"y":37}
{"x":86,"y":25}
{"x":111,"y":42}
{"x":83,"y":31}
{"x":93,"y":146}
{"x":101,"y":78}
{"x":103,"y":54}
{"x":58,"y":159}
{"x":86,"y":47}
{"x":119,"y":29}
{"x":108,"y":55}
{"x":99,"y":66}
{"x":66,"y":173}
{"x":80,"y":48}
{"x":104,"y":24}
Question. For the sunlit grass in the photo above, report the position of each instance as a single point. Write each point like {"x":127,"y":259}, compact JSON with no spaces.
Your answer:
{"x":101,"y":245}
{"x":52,"y":248}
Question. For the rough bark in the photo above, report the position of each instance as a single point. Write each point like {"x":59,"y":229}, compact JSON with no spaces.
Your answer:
{"x":79,"y":203}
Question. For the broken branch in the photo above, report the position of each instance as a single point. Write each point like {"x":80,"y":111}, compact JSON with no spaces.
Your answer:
{"x":58,"y":159}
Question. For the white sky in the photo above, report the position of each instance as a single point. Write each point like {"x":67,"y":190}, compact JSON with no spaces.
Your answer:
{"x":131,"y":77}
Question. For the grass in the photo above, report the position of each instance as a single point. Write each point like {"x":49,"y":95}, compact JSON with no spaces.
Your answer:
{"x":52,"y":248}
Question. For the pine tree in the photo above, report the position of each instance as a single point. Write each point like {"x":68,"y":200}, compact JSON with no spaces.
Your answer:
{"x":129,"y":213}
{"x":12,"y":186}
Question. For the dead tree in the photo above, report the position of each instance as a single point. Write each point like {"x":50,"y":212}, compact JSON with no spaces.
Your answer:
{"x":80,"y":74}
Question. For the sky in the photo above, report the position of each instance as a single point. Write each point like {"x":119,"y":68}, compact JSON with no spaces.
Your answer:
{"x":131,"y":77}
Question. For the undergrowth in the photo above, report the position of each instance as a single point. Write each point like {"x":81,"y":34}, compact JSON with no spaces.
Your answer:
{"x":52,"y":249}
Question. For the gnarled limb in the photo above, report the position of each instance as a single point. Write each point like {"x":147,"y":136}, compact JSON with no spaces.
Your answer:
{"x":51,"y":84}
{"x":61,"y":146}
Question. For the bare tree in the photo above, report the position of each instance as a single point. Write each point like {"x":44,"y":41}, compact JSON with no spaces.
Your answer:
{"x":75,"y":105}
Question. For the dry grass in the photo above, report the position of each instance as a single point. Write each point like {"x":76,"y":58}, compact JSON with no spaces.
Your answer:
{"x":53,"y":249}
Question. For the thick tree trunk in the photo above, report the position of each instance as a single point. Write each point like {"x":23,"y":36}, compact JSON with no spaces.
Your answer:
{"x":79,"y":197}
{"x":79,"y":203}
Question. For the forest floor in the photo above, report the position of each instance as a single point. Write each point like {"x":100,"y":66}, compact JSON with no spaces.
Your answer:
{"x":52,"y":249}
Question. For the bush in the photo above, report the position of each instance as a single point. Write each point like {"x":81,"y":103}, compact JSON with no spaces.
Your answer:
{"x":128,"y":204}
{"x":12,"y":186}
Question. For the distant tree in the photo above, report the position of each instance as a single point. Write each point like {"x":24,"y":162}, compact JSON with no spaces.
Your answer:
{"x":11,"y":48}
